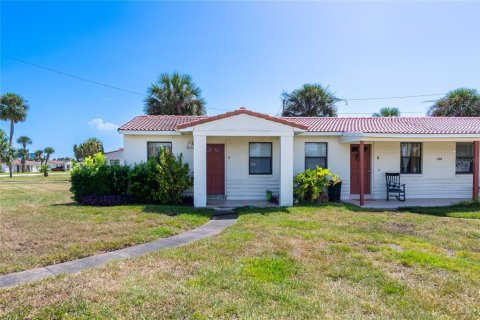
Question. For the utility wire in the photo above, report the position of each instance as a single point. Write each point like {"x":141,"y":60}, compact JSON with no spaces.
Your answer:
{"x":66,"y":74}
{"x":73,"y":76}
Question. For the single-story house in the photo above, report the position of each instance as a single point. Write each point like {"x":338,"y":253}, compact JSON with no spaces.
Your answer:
{"x":30,"y":166}
{"x":239,"y":155}
{"x":35,"y":166}
{"x":115,"y":156}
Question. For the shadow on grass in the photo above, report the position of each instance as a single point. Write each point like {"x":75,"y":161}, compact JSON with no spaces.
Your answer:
{"x":469,"y":210}
{"x":173,"y":210}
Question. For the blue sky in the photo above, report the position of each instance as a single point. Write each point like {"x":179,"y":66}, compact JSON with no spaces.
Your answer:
{"x":239,"y":54}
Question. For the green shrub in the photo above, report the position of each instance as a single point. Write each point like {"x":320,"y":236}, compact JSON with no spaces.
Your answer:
{"x":163,"y":181}
{"x":95,"y":177}
{"x":157,"y":181}
{"x":143,"y":181}
{"x":308,"y":186}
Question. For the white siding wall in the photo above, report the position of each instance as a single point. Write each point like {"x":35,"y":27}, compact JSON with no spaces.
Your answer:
{"x":438,"y":178}
{"x":338,"y":160}
{"x":239,"y":184}
{"x":135,"y":147}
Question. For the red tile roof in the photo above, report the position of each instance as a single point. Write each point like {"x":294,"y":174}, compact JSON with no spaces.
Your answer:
{"x":285,"y":121}
{"x":158,"y":123}
{"x":392,"y":125}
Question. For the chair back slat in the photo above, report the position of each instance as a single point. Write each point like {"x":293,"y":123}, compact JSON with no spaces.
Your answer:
{"x":393,"y":179}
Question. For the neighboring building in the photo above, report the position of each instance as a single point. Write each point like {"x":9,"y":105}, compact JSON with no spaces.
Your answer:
{"x":241,"y":154}
{"x":34,"y":166}
{"x":60,"y":165}
{"x":30,"y":166}
{"x":115,"y":157}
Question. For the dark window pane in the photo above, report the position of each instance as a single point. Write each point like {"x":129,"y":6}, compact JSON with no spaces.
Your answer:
{"x":411,"y":165}
{"x":315,"y":149}
{"x":260,"y":166}
{"x":464,"y":165}
{"x":312,"y":163}
{"x":154,"y":148}
{"x":465,"y":150}
{"x":261,"y":149}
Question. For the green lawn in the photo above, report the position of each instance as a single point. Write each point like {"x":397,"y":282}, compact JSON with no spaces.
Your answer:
{"x":41,"y":225}
{"x":296,"y":263}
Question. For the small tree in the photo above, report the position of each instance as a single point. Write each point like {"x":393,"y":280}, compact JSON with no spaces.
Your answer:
{"x":23,"y":152}
{"x":88,"y":148}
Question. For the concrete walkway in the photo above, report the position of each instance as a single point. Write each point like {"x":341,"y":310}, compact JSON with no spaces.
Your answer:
{"x":220,"y":221}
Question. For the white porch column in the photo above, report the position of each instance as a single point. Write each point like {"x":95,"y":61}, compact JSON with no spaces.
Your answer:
{"x":199,"y":170}
{"x":286,"y":170}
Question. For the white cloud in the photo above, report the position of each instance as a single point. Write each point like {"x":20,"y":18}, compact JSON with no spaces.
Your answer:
{"x":102,"y":126}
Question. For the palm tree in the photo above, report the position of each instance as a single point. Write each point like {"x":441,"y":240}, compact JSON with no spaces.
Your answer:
{"x":24,"y":140}
{"x":460,"y":102}
{"x":311,"y":100}
{"x":13,"y":108}
{"x":38,"y":156}
{"x":48,"y":151}
{"x":7,"y":152}
{"x":387,"y":112}
{"x":174,"y":94}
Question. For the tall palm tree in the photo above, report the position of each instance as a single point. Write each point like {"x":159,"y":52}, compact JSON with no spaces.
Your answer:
{"x":38,"y":156}
{"x":460,"y":102}
{"x":48,"y":151}
{"x":311,"y":100}
{"x":174,"y":94}
{"x":13,"y":108}
{"x":7,"y":152}
{"x":24,"y":140}
{"x":387,"y":112}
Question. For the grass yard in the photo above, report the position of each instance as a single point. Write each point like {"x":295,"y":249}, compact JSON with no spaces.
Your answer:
{"x":41,"y":225}
{"x":297,"y":263}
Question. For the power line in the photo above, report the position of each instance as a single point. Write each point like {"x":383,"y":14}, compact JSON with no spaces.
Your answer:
{"x":211,"y":108}
{"x":73,"y":76}
{"x":398,"y":97}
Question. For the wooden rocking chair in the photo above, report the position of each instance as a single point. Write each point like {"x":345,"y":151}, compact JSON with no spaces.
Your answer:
{"x":394,"y":186}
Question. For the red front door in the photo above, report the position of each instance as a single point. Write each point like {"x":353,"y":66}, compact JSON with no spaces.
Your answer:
{"x":215,"y":169}
{"x":355,"y":168}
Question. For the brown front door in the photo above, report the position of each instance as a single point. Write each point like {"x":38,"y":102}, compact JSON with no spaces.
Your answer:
{"x":215,"y":169}
{"x":355,"y":168}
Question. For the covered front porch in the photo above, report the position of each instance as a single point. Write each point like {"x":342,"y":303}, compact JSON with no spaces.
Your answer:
{"x":240,"y":156}
{"x":436,"y":171}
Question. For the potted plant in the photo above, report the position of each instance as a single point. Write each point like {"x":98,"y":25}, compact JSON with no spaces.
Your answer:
{"x":269,"y":195}
{"x":334,"y":189}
